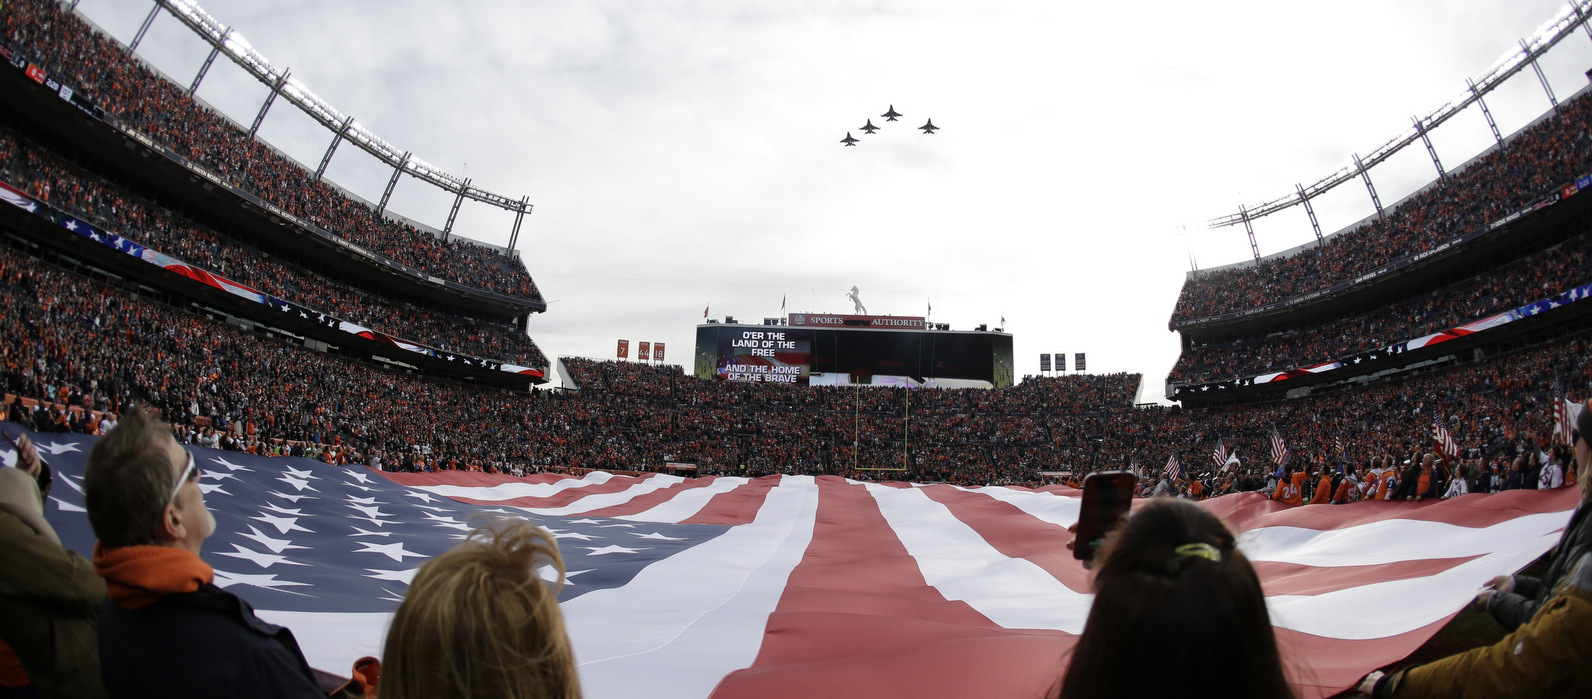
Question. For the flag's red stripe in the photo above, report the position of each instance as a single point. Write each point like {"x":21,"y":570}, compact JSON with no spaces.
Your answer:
{"x":1015,"y":533}
{"x":1321,"y":667}
{"x":738,"y":506}
{"x":1253,"y":510}
{"x":466,"y":479}
{"x":562,"y":498}
{"x":642,"y":503}
{"x":857,"y":620}
{"x":1280,"y":578}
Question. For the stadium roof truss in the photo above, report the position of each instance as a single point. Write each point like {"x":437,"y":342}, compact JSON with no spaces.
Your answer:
{"x":223,"y":40}
{"x":1575,"y":14}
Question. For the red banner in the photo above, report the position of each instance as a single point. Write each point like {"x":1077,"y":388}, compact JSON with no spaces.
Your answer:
{"x":657,"y":351}
{"x":641,"y":351}
{"x":624,"y":349}
{"x":832,"y":320}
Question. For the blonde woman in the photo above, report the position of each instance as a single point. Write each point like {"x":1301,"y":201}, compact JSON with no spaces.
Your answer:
{"x":480,"y":622}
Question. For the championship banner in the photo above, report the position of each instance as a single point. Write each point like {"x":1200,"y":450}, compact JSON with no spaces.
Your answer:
{"x":1077,"y":362}
{"x":1044,"y":362}
{"x":641,"y":351}
{"x":832,"y":320}
{"x":624,"y":349}
{"x":657,"y":351}
{"x":1061,"y":361}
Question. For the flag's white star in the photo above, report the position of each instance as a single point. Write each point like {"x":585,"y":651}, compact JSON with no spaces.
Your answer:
{"x":362,"y":501}
{"x":298,"y":484}
{"x":560,"y":534}
{"x":306,"y":475}
{"x":267,"y":581}
{"x":283,"y":524}
{"x":230,"y":466}
{"x":215,"y":475}
{"x":433,"y":508}
{"x":373,"y":520}
{"x":285,"y":510}
{"x":660,"y":537}
{"x":294,"y":498}
{"x":627,"y":526}
{"x":57,"y":449}
{"x":65,"y":506}
{"x":368,"y":533}
{"x":422,"y":495}
{"x":358,"y":475}
{"x":74,"y":485}
{"x":276,"y":545}
{"x":208,"y":488}
{"x":370,"y":510}
{"x":547,"y":573}
{"x":448,"y":522}
{"x":403,"y":576}
{"x":365,"y":488}
{"x":264,"y":560}
{"x":584,"y":521}
{"x":605,"y":550}
{"x":395,"y":551}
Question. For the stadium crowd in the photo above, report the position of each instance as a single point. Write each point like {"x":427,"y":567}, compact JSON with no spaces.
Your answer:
{"x":97,"y":66}
{"x":1539,"y":276}
{"x":71,"y":336}
{"x":53,"y":180}
{"x":1538,"y":161}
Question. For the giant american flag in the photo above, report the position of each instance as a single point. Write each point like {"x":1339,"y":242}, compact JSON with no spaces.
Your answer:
{"x":795,"y":586}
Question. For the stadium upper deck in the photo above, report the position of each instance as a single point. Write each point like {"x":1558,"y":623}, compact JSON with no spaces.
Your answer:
{"x":179,"y":138}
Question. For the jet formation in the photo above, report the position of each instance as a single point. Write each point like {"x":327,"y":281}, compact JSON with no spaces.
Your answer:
{"x":928,"y":127}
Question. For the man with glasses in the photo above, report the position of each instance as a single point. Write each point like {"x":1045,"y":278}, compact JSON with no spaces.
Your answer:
{"x":166,"y":630}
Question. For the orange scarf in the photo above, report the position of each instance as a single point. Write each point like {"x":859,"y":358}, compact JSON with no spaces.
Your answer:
{"x":138,"y":576}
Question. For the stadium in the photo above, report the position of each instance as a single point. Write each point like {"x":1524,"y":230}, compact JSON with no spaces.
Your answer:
{"x":357,"y":385}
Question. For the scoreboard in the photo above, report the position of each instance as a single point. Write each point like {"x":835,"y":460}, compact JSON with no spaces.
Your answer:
{"x":835,"y":350}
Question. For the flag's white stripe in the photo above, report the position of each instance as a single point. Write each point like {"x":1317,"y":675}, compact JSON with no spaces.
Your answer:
{"x":1059,"y":510}
{"x":687,"y":503}
{"x":509,"y":491}
{"x":1011,"y":592}
{"x":600,"y":500}
{"x":1383,"y":609}
{"x":1016,"y":594}
{"x":332,"y":641}
{"x":686,"y":621}
{"x":1394,"y":540}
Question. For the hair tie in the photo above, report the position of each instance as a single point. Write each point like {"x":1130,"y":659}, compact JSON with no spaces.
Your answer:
{"x":1187,"y":554}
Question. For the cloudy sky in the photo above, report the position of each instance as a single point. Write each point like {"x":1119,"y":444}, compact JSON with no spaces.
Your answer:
{"x":685,"y":154}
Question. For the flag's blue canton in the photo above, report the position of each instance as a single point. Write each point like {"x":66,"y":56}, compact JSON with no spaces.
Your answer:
{"x":300,"y":535}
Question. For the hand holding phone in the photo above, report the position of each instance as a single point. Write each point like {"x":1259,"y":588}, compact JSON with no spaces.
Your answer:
{"x":1106,"y":498}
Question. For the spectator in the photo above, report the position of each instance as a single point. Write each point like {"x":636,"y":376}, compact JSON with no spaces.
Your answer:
{"x":478,"y":621}
{"x":166,"y":630}
{"x":1513,"y":600}
{"x":49,"y":597}
{"x":1170,"y":585}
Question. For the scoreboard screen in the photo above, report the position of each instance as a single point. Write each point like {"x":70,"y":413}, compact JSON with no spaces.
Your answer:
{"x":783,"y":354}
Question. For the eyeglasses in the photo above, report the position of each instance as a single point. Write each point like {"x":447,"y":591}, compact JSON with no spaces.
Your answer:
{"x":191,"y":473}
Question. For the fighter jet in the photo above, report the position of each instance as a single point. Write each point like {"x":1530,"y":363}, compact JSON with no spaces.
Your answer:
{"x":869,"y":128}
{"x":848,"y":140}
{"x":890,"y":115}
{"x":929,"y":128}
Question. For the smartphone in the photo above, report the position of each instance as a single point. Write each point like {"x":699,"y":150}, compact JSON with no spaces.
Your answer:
{"x":1107,"y":496}
{"x":45,"y":477}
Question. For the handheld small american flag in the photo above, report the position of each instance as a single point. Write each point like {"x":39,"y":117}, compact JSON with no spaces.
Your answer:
{"x":1443,"y":440}
{"x":1173,"y":468}
{"x":789,"y":587}
{"x":1564,"y":417}
{"x":1220,"y":454}
{"x":1279,"y":451}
